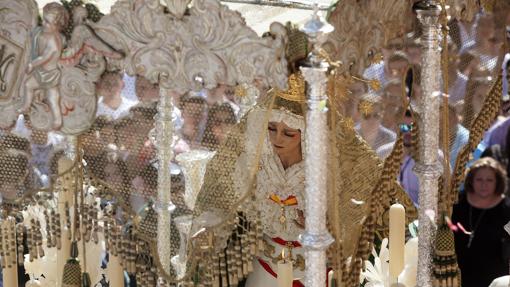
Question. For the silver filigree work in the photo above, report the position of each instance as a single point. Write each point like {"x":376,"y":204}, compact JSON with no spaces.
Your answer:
{"x":428,"y":168}
{"x":211,"y":42}
{"x":164,"y":128}
{"x":316,"y":238}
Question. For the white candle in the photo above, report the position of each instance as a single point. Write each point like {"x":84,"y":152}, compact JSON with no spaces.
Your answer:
{"x":115,"y":272}
{"x":284,"y":272}
{"x":397,"y":241}
{"x":331,"y":276}
{"x":10,"y":276}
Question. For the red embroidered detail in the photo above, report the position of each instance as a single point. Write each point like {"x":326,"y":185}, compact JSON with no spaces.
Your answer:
{"x":284,"y":243}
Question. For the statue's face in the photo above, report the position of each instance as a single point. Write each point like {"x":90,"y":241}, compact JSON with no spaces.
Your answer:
{"x":50,"y":21}
{"x":285,"y":140}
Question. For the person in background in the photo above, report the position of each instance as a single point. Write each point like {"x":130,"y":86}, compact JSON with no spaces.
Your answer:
{"x":458,"y":134}
{"x":146,"y":92}
{"x":483,"y":210}
{"x":370,"y":127}
{"x":111,"y":102}
{"x":144,"y":186}
{"x":220,"y":119}
{"x":392,"y":104}
{"x":397,"y":65}
{"x":193,"y":111}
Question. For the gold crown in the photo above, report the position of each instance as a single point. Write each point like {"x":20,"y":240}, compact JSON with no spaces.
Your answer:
{"x":297,"y":89}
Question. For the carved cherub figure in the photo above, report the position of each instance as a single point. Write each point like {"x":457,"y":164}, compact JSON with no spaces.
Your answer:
{"x":43,"y":71}
{"x":85,"y":46}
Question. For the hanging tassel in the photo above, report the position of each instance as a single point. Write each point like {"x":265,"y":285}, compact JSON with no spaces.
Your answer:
{"x":19,"y":235}
{"x":48,"y":228}
{"x":72,"y":276}
{"x":216,"y":270}
{"x":77,"y":227}
{"x":39,"y":238}
{"x":238,"y":260}
{"x":12,"y":232}
{"x":244,"y":255}
{"x":58,"y":229}
{"x":86,"y":282}
{"x":259,"y":236}
{"x":223,"y":270}
{"x":67,"y":219}
{"x":2,"y":254}
{"x":30,"y":243}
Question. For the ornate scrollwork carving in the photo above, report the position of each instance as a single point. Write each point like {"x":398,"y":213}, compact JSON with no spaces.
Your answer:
{"x":210,"y":44}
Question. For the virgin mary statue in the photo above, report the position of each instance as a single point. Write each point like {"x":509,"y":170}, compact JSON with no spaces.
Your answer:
{"x":249,"y":213}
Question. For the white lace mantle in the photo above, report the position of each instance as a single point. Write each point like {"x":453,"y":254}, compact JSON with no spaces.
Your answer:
{"x":273,"y":179}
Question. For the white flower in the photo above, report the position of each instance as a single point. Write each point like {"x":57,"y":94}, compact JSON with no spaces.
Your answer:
{"x":377,"y":274}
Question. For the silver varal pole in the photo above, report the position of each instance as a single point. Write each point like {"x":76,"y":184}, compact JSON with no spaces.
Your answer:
{"x":428,"y":169}
{"x":164,"y":205}
{"x":316,"y":238}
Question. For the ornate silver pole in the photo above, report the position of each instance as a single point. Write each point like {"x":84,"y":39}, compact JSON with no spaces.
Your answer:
{"x":164,"y":205}
{"x":316,"y":237}
{"x":428,"y":169}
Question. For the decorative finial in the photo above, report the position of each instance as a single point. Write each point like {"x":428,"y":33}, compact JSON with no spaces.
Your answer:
{"x":316,"y":29}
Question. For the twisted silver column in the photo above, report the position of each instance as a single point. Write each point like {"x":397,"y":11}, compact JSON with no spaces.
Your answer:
{"x":428,"y":169}
{"x":316,"y":238}
{"x":164,"y":205}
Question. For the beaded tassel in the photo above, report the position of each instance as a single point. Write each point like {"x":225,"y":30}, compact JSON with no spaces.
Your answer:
{"x":86,"y":222}
{"x":39,"y":238}
{"x":132,"y":249}
{"x":232,"y":267}
{"x":120,"y":250}
{"x":31,"y":251}
{"x":58,"y":232}
{"x":7,"y":247}
{"x":13,"y":248}
{"x":95,"y":229}
{"x":77,"y":228}
{"x":259,"y":236}
{"x":48,"y":229}
{"x":216,"y":270}
{"x":2,"y":253}
{"x":238,"y":259}
{"x":252,"y":241}
{"x":152,"y":278}
{"x":54,"y":228}
{"x":19,"y":236}
{"x":68,"y":221}
{"x":33,"y":236}
{"x":223,"y":269}
{"x":245,"y":254}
